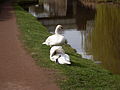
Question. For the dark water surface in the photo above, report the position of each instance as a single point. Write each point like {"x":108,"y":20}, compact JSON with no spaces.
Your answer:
{"x":93,"y":32}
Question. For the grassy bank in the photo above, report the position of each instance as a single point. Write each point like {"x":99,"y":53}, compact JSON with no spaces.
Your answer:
{"x":81,"y":75}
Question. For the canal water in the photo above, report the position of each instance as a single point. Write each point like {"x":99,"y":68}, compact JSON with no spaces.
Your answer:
{"x":94,"y":31}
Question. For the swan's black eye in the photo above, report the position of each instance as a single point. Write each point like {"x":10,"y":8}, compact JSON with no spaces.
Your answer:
{"x":61,"y":28}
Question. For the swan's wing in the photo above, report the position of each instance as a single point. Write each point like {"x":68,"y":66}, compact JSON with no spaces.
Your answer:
{"x":48,"y":40}
{"x":61,"y":39}
{"x":62,"y":60}
{"x":55,"y":40}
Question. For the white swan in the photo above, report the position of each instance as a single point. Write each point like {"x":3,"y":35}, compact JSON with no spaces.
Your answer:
{"x":58,"y":55}
{"x":55,"y":39}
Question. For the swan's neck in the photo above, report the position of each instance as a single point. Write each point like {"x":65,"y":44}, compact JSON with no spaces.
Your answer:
{"x":56,"y":31}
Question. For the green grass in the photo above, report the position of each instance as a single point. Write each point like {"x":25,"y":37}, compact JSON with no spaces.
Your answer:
{"x":83,"y":74}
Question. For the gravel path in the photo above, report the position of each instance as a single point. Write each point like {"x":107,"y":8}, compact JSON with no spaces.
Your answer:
{"x":18,"y":70}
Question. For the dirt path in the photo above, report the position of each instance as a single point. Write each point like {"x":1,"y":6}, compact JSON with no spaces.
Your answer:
{"x":17,"y":69}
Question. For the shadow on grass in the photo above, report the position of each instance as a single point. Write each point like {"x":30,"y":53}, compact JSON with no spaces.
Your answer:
{"x":75,"y":64}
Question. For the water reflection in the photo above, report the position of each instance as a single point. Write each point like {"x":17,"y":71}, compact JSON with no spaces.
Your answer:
{"x":106,"y":37}
{"x":48,"y":8}
{"x":38,"y":11}
{"x":56,"y":7}
{"x":83,"y":16}
{"x":79,"y":41}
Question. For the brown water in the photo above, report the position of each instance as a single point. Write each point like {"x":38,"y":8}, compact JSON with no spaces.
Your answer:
{"x":93,"y":32}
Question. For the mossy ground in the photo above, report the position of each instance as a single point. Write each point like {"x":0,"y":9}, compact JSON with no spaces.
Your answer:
{"x":82,"y":74}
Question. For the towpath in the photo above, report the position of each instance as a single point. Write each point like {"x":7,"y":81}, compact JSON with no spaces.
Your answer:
{"x":18,"y":70}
